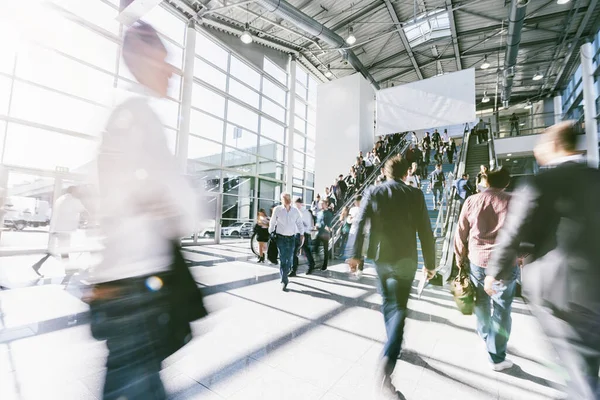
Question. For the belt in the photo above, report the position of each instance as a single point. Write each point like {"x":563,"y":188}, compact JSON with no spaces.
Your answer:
{"x":285,"y":236}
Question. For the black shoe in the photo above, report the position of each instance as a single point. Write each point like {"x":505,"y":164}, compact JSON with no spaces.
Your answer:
{"x":324,"y":268}
{"x":284,"y":287}
{"x":292,"y":274}
{"x":310,"y":271}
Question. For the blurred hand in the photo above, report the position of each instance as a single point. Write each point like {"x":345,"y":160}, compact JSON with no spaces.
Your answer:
{"x":429,"y":274}
{"x":488,"y":285}
{"x":353,"y":263}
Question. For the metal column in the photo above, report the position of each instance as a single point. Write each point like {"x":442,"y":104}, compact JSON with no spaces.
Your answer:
{"x":589,"y":104}
{"x":186,"y":96}
{"x":557,"y":109}
{"x":289,"y":176}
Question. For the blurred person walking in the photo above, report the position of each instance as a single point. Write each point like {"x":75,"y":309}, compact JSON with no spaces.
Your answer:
{"x":144,"y":297}
{"x":397,"y":212}
{"x":555,"y":217}
{"x":438,"y":182}
{"x":304,"y":246}
{"x":345,"y":230}
{"x":286,"y":222}
{"x":480,"y":220}
{"x":324,"y":221}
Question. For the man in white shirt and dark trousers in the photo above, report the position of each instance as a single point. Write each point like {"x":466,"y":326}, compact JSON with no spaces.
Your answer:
{"x":307,"y":221}
{"x":286,"y":222}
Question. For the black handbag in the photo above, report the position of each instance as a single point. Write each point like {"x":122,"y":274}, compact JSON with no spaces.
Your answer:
{"x":272,"y":251}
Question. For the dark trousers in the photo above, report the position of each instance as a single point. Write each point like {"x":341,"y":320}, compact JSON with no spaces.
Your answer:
{"x":306,"y":250}
{"x":286,"y":246}
{"x":342,"y":245}
{"x":323,"y":240}
{"x":395,"y":282}
{"x":136,"y":333}
{"x":576,"y":340}
{"x":514,"y":126}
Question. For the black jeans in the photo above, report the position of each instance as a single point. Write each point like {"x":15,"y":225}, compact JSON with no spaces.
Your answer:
{"x":134,"y":325}
{"x":307,"y":252}
{"x":323,"y":240}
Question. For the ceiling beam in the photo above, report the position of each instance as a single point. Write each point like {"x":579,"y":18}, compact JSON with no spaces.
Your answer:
{"x":575,"y":43}
{"x":529,"y":23}
{"x":403,"y":37}
{"x":454,"y":34}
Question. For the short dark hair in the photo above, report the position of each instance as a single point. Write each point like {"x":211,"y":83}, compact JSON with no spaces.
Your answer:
{"x":438,"y":165}
{"x":299,"y":200}
{"x":358,"y":198}
{"x":499,"y":178}
{"x":396,"y":167}
{"x":465,"y":175}
{"x":564,"y":136}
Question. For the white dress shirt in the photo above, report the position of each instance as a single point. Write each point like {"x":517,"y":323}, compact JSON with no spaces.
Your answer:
{"x":286,"y":223}
{"x":145,"y":202}
{"x":66,"y":214}
{"x":307,"y":220}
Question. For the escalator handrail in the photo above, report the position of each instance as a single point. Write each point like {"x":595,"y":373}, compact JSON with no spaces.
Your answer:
{"x":447,"y":257}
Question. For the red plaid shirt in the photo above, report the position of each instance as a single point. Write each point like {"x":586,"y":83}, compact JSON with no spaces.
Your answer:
{"x":480,"y":220}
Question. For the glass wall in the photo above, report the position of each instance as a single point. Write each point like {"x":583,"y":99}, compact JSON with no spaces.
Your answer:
{"x":61,"y":74}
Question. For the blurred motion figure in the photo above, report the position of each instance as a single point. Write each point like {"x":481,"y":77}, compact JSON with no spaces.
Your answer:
{"x":556,"y":219}
{"x":143,"y":296}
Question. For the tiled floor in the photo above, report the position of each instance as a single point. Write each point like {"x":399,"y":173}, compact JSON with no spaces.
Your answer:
{"x":321,"y":340}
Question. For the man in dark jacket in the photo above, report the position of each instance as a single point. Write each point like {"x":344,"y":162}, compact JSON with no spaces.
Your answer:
{"x":556,"y":219}
{"x":397,"y":212}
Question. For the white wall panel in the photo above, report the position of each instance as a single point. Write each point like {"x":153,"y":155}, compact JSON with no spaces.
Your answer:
{"x":440,"y":101}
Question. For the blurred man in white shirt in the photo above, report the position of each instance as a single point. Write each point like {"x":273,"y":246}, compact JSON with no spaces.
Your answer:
{"x":65,"y":220}
{"x":308,"y":222}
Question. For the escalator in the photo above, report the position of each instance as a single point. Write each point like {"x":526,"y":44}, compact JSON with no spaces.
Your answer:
{"x":472,"y":156}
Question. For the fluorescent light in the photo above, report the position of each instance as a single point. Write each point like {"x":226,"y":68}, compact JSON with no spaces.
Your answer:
{"x":351,"y":39}
{"x":528,"y":105}
{"x":562,"y":1}
{"x":485,"y":64}
{"x":508,"y":159}
{"x":328,"y":72}
{"x":538,"y":75}
{"x":509,"y":155}
{"x":485,"y":98}
{"x":246,"y":37}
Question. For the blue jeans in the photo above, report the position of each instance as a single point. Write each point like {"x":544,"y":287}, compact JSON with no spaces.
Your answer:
{"x":395,"y":282}
{"x":307,"y":252}
{"x":437,"y":194}
{"x":286,"y":246}
{"x":493,"y":317}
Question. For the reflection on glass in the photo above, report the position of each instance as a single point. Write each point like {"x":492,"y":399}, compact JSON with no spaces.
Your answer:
{"x":271,"y":149}
{"x":310,"y":164}
{"x":309,"y":196}
{"x":269,"y":190}
{"x":244,"y":73}
{"x":272,"y":109}
{"x":204,"y":125}
{"x":298,"y":159}
{"x":204,"y":151}
{"x":272,"y":130}
{"x":204,"y":180}
{"x":29,"y":147}
{"x":239,"y":160}
{"x":310,"y":179}
{"x":28,"y":210}
{"x":241,"y":116}
{"x":299,"y":142}
{"x":274,"y":92}
{"x":241,"y":139}
{"x":270,"y":169}
{"x":32,"y":103}
{"x":301,"y":109}
{"x":243,"y":93}
{"x":298,"y":176}
{"x":237,"y":208}
{"x":211,"y":51}
{"x":301,"y":76}
{"x":208,"y":101}
{"x":238,"y":184}
{"x":210,"y":74}
{"x":270,"y":68}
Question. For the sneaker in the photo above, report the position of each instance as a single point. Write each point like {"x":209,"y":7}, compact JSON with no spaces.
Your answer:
{"x":501,"y":366}
{"x":310,"y":271}
{"x":284,"y":287}
{"x":292,"y":274}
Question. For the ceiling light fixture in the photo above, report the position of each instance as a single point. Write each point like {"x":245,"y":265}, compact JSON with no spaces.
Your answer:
{"x":328,"y":73}
{"x":485,"y":99}
{"x":509,"y":155}
{"x":351,"y":39}
{"x":528,"y":105}
{"x":538,"y":75}
{"x":562,"y":1}
{"x":246,"y":37}
{"x":485,"y":64}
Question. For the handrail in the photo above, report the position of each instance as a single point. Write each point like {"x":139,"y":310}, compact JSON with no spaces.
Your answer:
{"x":453,"y":208}
{"x":492,"y":152}
{"x":336,"y":227}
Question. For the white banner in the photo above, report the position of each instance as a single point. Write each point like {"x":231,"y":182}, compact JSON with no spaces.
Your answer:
{"x":440,"y":101}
